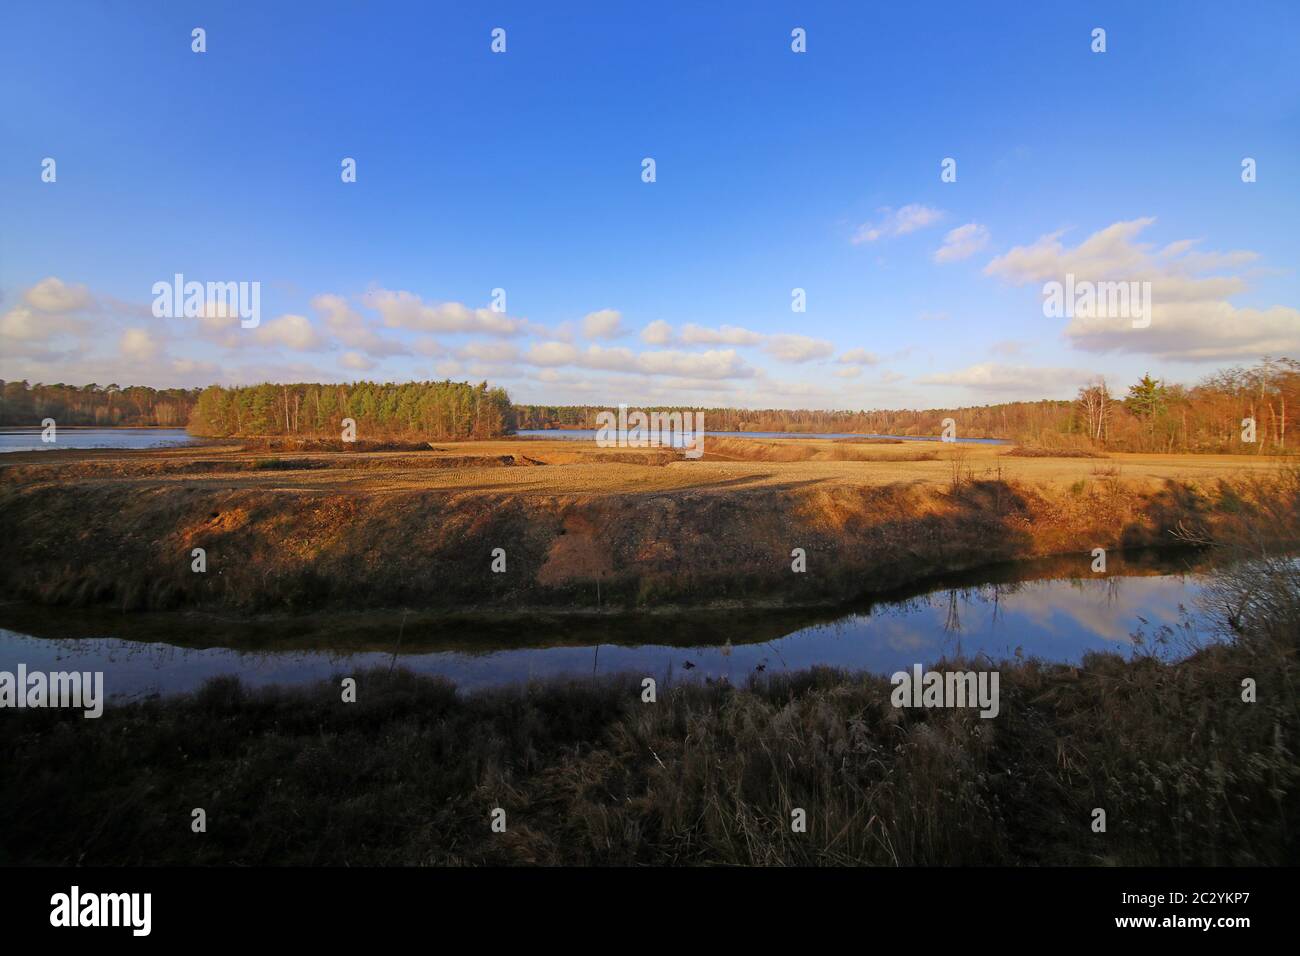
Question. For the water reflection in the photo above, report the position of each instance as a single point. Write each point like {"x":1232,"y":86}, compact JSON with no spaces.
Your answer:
{"x":68,"y":436}
{"x":1055,"y":611}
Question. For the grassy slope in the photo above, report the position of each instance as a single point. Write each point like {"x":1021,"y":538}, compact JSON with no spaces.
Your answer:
{"x":353,"y":530}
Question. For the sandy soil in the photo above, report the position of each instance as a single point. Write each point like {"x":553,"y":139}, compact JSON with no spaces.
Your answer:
{"x":563,"y":467}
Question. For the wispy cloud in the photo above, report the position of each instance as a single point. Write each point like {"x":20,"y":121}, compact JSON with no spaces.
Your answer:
{"x":897,"y":222}
{"x":962,"y":243}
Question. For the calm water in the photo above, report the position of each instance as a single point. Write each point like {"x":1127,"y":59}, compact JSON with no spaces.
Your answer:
{"x":589,"y":434}
{"x":1056,"y":611}
{"x":29,"y":439}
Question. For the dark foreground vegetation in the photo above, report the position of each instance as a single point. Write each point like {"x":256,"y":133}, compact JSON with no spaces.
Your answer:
{"x":1187,"y":772}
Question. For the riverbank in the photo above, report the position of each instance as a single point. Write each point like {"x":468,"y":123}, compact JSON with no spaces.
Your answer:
{"x":1187,"y":770}
{"x":585,"y":528}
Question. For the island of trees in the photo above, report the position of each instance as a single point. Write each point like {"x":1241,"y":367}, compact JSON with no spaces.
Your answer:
{"x":428,"y":411}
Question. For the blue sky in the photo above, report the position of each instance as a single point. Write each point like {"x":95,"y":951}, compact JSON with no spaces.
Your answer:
{"x":775,"y":170}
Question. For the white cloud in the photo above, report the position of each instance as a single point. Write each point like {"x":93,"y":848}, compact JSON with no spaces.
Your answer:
{"x":859,"y":357}
{"x":351,"y":329}
{"x":405,"y":310}
{"x":726,"y":335}
{"x":46,"y":312}
{"x":657,"y":332}
{"x":1002,"y":379}
{"x":356,"y":362}
{"x":962,"y":243}
{"x":137,"y":345}
{"x":898,"y":222}
{"x":605,"y":324}
{"x":23,"y":324}
{"x":798,"y":348}
{"x":1191,"y":318}
{"x":706,"y":365}
{"x":292,"y":332}
{"x":489,"y":352}
{"x":713,"y":364}
{"x":51,"y":294}
{"x":552,"y":354}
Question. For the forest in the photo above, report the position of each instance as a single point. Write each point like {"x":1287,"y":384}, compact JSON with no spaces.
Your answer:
{"x":1244,"y":409}
{"x":22,"y":403}
{"x":1214,"y":415}
{"x":433,"y":411}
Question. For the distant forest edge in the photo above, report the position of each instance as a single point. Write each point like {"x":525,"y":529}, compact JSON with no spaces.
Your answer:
{"x":103,"y":405}
{"x":1149,"y":415}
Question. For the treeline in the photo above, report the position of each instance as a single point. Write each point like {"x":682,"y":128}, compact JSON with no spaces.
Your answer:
{"x":985,"y":422}
{"x":1245,"y":409}
{"x":22,"y":403}
{"x":1219,"y":414}
{"x":434,"y":411}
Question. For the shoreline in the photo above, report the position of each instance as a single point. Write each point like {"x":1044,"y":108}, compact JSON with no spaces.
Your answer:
{"x":421,"y":626}
{"x":529,"y":527}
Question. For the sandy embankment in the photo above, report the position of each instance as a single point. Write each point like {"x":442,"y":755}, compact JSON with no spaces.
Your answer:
{"x":299,"y":530}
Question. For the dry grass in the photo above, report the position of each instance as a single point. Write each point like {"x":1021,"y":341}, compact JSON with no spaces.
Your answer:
{"x":589,"y":774}
{"x":302,"y":530}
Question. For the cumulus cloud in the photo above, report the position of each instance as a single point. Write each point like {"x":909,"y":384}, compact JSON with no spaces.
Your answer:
{"x":23,"y":324}
{"x":356,"y":362}
{"x":47,"y":310}
{"x":897,"y":222}
{"x":962,"y":243}
{"x":52,"y":294}
{"x":783,"y":347}
{"x":1191,"y":318}
{"x":1002,"y":379}
{"x":693,"y":334}
{"x":797,"y":348}
{"x":859,"y":357}
{"x":712,"y":364}
{"x":489,"y":352}
{"x":552,"y":354}
{"x":293,"y":332}
{"x":657,"y":332}
{"x":137,"y":345}
{"x":405,"y":310}
{"x":605,"y":324}
{"x":352,"y":330}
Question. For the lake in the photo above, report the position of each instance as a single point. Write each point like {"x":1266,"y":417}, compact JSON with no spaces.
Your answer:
{"x":1055,"y":610}
{"x":29,"y":439}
